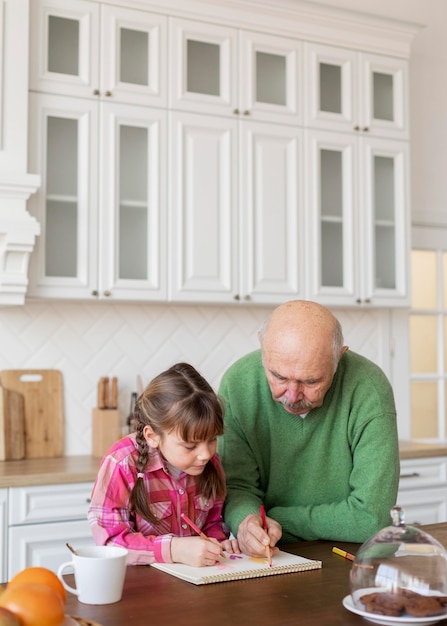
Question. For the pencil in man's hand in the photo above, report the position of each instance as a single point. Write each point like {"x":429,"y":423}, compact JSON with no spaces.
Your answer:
{"x":264,"y":526}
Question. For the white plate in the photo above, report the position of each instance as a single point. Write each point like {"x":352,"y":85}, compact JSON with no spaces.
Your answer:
{"x":404,"y":620}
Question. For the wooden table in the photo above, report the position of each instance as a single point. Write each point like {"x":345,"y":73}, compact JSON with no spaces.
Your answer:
{"x":314,"y":598}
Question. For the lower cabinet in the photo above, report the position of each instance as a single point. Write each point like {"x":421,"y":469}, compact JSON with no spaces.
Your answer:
{"x":40,"y":521}
{"x":3,"y":532}
{"x":423,"y":490}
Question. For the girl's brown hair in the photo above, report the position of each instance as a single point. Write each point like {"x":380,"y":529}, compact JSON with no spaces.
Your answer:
{"x":179,"y":400}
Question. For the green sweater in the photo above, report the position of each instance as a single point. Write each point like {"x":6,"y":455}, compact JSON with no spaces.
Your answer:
{"x":332,"y":475}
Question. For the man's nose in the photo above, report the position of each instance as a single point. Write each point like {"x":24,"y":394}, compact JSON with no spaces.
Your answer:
{"x":294,"y":392}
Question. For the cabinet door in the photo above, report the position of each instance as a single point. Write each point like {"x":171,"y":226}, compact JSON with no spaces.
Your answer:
{"x":3,"y":533}
{"x":331,"y":98}
{"x":384,"y":222}
{"x":351,"y":91}
{"x":203,"y":67}
{"x":69,"y":40}
{"x":272,"y":213}
{"x":271,"y":78}
{"x":133,"y":56}
{"x":64,"y":151}
{"x":64,"y":45}
{"x":43,"y":545}
{"x":132,"y":233}
{"x":331,"y":209}
{"x":204,"y":208}
{"x":384,"y":96}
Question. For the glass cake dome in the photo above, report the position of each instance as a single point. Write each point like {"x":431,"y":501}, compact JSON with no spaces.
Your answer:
{"x":400,"y":576}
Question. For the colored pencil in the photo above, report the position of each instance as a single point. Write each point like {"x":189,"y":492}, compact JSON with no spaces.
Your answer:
{"x":194,"y":527}
{"x":264,"y":526}
{"x":197,"y":529}
{"x":343,"y":553}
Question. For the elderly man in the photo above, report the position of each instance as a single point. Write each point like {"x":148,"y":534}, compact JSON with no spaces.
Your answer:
{"x":310,"y":433}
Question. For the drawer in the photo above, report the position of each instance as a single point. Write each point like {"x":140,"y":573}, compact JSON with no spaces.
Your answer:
{"x":425,"y":506}
{"x":49,"y":503}
{"x":428,"y":472}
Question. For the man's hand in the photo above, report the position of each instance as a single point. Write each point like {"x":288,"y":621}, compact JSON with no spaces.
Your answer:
{"x":253,"y":539}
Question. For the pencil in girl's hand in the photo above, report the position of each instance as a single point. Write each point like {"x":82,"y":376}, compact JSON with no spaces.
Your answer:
{"x":197,"y":529}
{"x":264,"y":526}
{"x":194,"y":527}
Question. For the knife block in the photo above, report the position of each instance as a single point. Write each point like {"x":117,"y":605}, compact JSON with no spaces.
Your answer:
{"x":106,"y":429}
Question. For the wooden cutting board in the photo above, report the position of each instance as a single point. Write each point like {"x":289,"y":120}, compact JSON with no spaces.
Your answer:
{"x":42,"y":391}
{"x":12,"y":425}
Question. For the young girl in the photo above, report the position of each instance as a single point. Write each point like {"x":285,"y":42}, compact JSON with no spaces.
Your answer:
{"x":167,"y":467}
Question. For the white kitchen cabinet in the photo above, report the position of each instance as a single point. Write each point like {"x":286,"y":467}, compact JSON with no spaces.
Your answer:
{"x":102,"y":200}
{"x":95,"y":50}
{"x":3,"y":533}
{"x":221,"y":70}
{"x":102,"y":160}
{"x":354,"y":91}
{"x":423,"y":490}
{"x":234,"y":161}
{"x":358,"y":219}
{"x":41,"y":520}
{"x":235,"y":238}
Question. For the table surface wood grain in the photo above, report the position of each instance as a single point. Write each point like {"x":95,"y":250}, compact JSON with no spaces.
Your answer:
{"x":312,"y":598}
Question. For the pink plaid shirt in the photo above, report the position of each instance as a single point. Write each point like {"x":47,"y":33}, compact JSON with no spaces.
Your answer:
{"x":109,"y":515}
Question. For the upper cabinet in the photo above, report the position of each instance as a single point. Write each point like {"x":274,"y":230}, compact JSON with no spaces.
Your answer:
{"x":223,"y":71}
{"x":353,"y":91}
{"x":218,"y":156}
{"x":236,"y":201}
{"x":98,"y":139}
{"x":87,"y":49}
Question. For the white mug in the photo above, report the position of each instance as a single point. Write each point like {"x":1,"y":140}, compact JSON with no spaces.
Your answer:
{"x":99,"y":573}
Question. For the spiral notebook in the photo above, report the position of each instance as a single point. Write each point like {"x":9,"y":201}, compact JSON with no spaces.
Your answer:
{"x":239,"y":567}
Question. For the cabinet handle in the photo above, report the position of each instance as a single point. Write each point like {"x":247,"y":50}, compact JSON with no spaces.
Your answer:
{"x":236,"y":111}
{"x":412,"y":475}
{"x":237,"y":297}
{"x":247,"y":298}
{"x":356,"y":127}
{"x":366,"y":129}
{"x":358,"y":301}
{"x":88,"y":500}
{"x":95,"y":293}
{"x":368,"y":301}
{"x":108,"y":94}
{"x":96,"y":92}
{"x":107,"y":293}
{"x":247,"y":112}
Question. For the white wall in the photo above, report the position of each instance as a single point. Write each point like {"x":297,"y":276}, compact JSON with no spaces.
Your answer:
{"x":89,"y":340}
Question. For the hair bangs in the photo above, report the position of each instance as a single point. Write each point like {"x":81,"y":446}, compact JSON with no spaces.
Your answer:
{"x":200,"y":423}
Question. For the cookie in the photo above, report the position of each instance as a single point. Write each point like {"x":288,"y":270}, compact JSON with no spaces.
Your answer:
{"x":424,"y":606}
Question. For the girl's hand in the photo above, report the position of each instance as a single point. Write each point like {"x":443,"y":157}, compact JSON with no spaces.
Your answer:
{"x":231,"y":546}
{"x":195,"y":551}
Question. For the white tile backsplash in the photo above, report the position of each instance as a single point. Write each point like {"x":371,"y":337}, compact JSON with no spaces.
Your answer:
{"x":89,"y":340}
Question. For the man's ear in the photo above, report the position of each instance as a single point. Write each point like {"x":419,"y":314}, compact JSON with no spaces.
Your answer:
{"x":151,"y":437}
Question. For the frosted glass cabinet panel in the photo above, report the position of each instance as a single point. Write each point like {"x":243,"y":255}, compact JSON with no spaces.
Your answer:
{"x":217,"y":69}
{"x":332,"y":159}
{"x":352,"y":91}
{"x":101,"y":206}
{"x":359,"y":237}
{"x":95,"y":50}
{"x":63,"y":149}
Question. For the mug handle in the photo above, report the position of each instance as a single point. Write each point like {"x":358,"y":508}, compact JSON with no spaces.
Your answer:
{"x":59,"y":574}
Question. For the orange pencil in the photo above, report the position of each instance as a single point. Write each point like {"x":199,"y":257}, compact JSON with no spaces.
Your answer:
{"x":197,"y":529}
{"x":264,"y":526}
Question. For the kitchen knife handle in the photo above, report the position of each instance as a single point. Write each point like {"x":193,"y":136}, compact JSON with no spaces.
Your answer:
{"x":114,"y":397}
{"x":102,"y":392}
